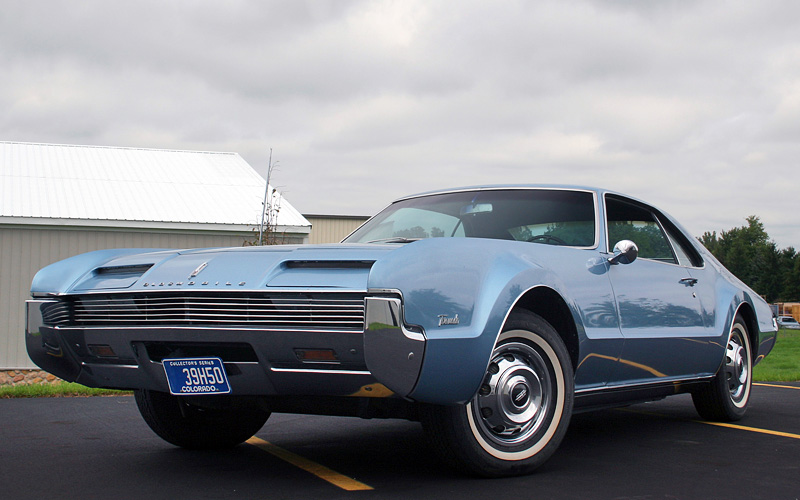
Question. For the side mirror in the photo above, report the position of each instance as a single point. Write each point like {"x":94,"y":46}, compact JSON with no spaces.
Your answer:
{"x":625,"y":252}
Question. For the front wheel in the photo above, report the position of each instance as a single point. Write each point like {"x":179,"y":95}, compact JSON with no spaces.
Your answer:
{"x":230,"y":421}
{"x":725,"y":398}
{"x":521,"y":411}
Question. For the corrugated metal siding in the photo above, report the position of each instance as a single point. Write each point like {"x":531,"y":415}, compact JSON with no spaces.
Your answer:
{"x":332,"y":229}
{"x":25,"y":250}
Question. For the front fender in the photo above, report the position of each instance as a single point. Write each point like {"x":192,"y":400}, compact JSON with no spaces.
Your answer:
{"x":459,"y":292}
{"x":62,"y":275}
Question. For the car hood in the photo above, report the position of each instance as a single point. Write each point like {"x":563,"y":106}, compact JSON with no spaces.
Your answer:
{"x":342,"y":266}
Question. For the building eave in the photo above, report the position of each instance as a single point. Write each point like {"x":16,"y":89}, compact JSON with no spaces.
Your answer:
{"x":143,"y":225}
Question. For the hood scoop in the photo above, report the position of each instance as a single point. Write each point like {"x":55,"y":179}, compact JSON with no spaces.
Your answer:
{"x":138,"y":269}
{"x":329,"y":264}
{"x":113,"y":277}
{"x":349,"y":274}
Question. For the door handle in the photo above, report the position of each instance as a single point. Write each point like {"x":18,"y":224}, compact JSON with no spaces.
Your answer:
{"x":688,"y":281}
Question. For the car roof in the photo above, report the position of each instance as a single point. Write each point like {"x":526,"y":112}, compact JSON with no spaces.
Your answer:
{"x":564,"y":187}
{"x":496,"y":187}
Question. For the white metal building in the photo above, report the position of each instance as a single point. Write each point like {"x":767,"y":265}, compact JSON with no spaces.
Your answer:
{"x":57,"y":201}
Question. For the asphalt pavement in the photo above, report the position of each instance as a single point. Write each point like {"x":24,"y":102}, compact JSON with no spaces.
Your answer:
{"x":101,"y":448}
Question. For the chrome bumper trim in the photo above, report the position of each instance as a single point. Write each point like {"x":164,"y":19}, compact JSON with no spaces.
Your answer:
{"x":321,"y":372}
{"x":34,"y":316}
{"x":392,"y":351}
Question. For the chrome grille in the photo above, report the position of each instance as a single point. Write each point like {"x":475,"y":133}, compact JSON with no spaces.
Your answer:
{"x":312,"y":311}
{"x":55,"y":313}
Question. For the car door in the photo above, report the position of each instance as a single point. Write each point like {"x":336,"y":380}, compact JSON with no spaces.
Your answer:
{"x":661,"y":317}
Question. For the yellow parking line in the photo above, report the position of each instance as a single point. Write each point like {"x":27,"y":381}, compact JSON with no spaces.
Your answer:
{"x":751,"y":429}
{"x":781,"y":386}
{"x":718,"y":424}
{"x":322,"y":472}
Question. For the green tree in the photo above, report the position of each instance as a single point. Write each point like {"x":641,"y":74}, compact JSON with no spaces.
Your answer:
{"x":748,"y":252}
{"x":790,"y":275}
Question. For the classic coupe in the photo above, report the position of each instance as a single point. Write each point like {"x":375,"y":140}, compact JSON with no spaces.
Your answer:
{"x":489,"y":314}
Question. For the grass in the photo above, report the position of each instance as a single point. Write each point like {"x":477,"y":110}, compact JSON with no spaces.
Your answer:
{"x":58,"y":389}
{"x":783,"y":363}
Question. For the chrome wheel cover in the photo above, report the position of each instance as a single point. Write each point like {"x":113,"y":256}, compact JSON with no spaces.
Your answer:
{"x":737,"y":367}
{"x":515,"y":396}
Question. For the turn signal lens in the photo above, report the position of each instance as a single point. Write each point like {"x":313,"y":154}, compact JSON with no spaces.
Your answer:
{"x":316,"y":355}
{"x":102,"y":351}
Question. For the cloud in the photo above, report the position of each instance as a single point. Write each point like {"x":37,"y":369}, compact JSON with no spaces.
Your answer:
{"x":691,"y":105}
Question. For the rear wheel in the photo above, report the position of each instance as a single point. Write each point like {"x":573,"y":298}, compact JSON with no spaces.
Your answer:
{"x":232,"y":420}
{"x":725,"y":398}
{"x":522,"y":410}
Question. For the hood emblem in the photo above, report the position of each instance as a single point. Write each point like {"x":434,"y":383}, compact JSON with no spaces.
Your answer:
{"x":198,"y":270}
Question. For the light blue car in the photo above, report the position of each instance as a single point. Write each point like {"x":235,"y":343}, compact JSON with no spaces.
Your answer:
{"x":489,"y":314}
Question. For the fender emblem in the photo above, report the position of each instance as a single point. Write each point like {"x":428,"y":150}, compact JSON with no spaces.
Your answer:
{"x":444,"y":320}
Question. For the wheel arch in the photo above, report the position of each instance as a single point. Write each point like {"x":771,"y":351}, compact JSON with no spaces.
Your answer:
{"x":749,"y":316}
{"x":552,"y":307}
{"x":720,"y":399}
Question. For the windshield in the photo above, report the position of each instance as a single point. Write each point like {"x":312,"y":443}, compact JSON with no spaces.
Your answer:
{"x":554,"y":217}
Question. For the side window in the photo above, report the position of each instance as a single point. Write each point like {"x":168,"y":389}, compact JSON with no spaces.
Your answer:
{"x":628,"y":221}
{"x":686,"y":254}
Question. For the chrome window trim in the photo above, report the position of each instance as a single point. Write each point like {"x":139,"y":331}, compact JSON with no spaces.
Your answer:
{"x":658,"y":215}
{"x":653,"y":212}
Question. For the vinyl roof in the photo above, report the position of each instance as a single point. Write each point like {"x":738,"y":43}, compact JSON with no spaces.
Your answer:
{"x":62,"y":184}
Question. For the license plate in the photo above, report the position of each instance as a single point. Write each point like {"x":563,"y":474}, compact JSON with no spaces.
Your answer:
{"x":194,"y":376}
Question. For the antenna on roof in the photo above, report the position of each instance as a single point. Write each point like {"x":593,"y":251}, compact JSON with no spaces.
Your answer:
{"x":264,"y":208}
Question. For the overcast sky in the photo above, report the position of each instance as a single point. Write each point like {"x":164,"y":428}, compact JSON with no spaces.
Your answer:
{"x":693,"y":106}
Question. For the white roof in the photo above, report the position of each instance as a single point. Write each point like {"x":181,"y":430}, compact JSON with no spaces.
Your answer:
{"x":62,"y":184}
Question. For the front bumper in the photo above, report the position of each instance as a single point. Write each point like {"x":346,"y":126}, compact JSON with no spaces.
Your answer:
{"x":383,"y":360}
